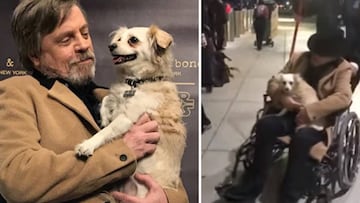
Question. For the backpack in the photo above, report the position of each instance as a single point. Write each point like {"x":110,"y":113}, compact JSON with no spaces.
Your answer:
{"x":261,"y":11}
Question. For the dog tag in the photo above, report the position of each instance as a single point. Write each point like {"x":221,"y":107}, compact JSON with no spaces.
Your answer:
{"x":129,"y":93}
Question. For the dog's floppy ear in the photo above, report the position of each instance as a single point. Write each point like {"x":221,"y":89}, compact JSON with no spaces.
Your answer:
{"x":277,"y":77}
{"x":161,"y":38}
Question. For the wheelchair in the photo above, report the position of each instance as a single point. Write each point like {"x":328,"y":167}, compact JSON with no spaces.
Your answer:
{"x":337,"y":170}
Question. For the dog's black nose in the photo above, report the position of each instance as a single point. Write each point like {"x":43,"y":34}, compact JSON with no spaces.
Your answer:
{"x":112,"y":47}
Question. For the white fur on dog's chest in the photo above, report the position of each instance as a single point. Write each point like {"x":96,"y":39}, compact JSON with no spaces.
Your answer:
{"x":141,"y":101}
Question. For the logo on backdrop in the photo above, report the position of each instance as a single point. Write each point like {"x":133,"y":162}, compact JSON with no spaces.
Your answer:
{"x":187,"y":103}
{"x":8,"y":68}
{"x":186,"y":67}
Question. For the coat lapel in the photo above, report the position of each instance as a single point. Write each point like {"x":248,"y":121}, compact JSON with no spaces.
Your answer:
{"x":65,"y":96}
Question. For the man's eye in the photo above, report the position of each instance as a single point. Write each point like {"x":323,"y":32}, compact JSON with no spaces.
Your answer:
{"x":85,"y":35}
{"x":65,"y":40}
{"x":133,"y":40}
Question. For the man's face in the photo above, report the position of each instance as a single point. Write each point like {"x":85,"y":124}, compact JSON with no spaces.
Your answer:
{"x":317,"y":60}
{"x":67,"y":52}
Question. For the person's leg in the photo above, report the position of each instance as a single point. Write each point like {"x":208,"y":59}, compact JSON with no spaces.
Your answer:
{"x":220,"y":37}
{"x":299,"y":176}
{"x":257,"y":34}
{"x":207,"y":66}
{"x":262,"y":27}
{"x":259,"y":31}
{"x":268,"y":129}
{"x":205,"y":121}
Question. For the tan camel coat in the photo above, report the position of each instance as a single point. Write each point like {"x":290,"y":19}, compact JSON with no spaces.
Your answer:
{"x":38,"y":131}
{"x":334,"y":90}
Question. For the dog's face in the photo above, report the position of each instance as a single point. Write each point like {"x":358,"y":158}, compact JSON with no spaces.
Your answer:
{"x":287,"y":82}
{"x":141,"y":51}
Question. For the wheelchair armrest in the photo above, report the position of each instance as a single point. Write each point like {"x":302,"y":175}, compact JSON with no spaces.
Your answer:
{"x":268,"y":108}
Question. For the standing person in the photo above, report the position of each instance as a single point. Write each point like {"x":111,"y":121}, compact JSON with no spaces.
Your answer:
{"x":324,"y":68}
{"x":261,"y":16}
{"x":207,"y":48}
{"x":44,"y":115}
{"x":218,"y":18}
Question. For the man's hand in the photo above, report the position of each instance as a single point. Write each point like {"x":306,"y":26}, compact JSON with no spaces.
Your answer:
{"x":142,"y":137}
{"x":302,"y":117}
{"x":290,"y":104}
{"x":155,"y":194}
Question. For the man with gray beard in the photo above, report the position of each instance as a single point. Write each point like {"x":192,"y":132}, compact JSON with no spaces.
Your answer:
{"x":45,"y":114}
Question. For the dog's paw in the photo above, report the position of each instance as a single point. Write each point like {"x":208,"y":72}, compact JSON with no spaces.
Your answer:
{"x":84,"y":149}
{"x":105,"y":122}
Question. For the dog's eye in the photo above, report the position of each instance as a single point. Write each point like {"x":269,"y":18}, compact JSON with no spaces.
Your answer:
{"x":291,"y":83}
{"x":133,"y":40}
{"x":119,"y":40}
{"x":284,"y":83}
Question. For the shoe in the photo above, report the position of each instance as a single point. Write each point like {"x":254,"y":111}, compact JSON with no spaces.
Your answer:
{"x":242,"y":193}
{"x":248,"y":190}
{"x":205,"y":125}
{"x":208,"y":89}
{"x":287,"y":200}
{"x":289,"y":196}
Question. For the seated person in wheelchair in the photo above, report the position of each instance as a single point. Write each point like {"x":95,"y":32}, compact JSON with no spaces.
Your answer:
{"x":324,"y":68}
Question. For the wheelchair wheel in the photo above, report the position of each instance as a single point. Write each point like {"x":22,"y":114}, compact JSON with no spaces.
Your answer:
{"x":270,"y":42}
{"x":245,"y":154}
{"x":248,"y":150}
{"x":323,"y":196}
{"x":348,"y":150}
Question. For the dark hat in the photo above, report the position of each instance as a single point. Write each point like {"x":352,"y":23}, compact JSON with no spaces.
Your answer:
{"x":328,"y":43}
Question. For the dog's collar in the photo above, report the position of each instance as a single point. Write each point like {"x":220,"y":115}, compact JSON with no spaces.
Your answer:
{"x":135,"y":82}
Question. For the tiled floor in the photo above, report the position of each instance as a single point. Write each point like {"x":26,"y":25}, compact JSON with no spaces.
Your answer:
{"x":232,"y":108}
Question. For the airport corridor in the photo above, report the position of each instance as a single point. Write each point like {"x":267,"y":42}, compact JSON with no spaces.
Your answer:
{"x":232,"y":108}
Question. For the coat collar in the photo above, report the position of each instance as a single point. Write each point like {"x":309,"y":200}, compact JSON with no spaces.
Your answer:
{"x":64,"y":95}
{"x":58,"y":89}
{"x":302,"y":66}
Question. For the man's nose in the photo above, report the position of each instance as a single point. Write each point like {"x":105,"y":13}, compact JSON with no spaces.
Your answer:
{"x":82,"y":44}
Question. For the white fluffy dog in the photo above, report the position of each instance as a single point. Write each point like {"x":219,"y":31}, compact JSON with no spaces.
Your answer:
{"x":290,"y":84}
{"x":143,"y":62}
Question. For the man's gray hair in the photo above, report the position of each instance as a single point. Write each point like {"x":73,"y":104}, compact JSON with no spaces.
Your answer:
{"x":32,"y":20}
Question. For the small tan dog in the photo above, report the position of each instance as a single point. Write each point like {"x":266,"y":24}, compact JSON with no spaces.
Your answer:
{"x":143,"y":62}
{"x":290,"y":84}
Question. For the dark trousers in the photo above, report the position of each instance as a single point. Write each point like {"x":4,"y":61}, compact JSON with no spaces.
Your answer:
{"x":204,"y":118}
{"x":220,"y":36}
{"x":299,"y":174}
{"x":259,"y":27}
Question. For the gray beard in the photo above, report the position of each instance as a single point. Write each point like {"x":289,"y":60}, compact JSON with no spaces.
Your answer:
{"x":74,"y":76}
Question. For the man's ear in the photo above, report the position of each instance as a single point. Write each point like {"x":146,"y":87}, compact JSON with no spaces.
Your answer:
{"x":162,"y":40}
{"x":35,"y":60}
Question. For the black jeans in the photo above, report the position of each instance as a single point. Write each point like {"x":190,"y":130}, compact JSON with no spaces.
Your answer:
{"x":299,"y":174}
{"x":259,"y":27}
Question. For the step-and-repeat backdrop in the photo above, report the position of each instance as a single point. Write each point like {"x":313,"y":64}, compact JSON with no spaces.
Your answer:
{"x":178,"y":17}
